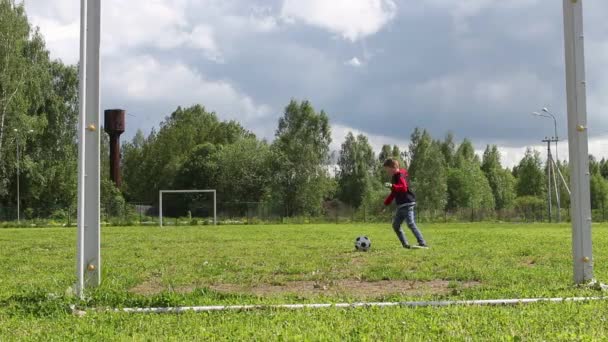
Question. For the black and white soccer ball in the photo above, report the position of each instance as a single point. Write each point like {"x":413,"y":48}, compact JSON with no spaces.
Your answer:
{"x":363,"y":243}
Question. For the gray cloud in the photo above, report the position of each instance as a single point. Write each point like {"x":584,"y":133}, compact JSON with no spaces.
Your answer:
{"x":477,"y":68}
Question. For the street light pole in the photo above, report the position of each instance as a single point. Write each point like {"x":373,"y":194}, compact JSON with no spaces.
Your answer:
{"x":556,"y":136}
{"x":547,"y":114}
{"x":558,"y":194}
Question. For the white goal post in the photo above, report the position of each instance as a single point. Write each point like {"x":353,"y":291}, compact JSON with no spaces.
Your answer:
{"x":160,"y":201}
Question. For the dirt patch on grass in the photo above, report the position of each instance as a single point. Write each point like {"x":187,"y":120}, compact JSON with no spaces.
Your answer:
{"x":360,"y":289}
{"x":148,"y":287}
{"x":529,"y":262}
{"x":348,"y":287}
{"x":153,"y":286}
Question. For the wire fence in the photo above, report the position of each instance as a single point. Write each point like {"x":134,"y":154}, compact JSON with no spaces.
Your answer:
{"x":142,"y":214}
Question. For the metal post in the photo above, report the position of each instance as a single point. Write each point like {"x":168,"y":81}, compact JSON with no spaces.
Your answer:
{"x":214,"y":208}
{"x":564,"y":183}
{"x":549,"y":211}
{"x":556,"y":184}
{"x":578,"y":140}
{"x":160,"y":208}
{"x":88,"y":257}
{"x":18,"y":176}
{"x":556,"y":139}
{"x":558,"y":196}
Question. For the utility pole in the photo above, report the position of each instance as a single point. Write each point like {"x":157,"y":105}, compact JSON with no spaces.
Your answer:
{"x":547,"y":114}
{"x":551,"y":174}
{"x":549,"y":206}
{"x":557,"y":190}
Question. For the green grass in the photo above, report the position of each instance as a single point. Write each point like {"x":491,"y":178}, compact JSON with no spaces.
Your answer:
{"x":180,"y":266}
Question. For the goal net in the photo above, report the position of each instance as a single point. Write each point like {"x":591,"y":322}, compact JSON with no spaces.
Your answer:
{"x":187,"y":207}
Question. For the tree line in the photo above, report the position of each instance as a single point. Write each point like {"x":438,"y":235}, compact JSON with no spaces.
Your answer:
{"x":193,"y":149}
{"x":297,"y":175}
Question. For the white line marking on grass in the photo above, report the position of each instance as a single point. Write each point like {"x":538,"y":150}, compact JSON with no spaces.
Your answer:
{"x":488,"y":302}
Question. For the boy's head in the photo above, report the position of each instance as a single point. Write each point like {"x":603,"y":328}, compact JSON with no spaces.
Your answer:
{"x":391,"y":166}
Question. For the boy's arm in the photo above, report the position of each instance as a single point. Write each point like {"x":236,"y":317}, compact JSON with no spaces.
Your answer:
{"x":401,"y":186}
{"x":389,"y":199}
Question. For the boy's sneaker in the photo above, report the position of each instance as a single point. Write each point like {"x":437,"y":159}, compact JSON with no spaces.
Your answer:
{"x":422,"y":246}
{"x":407,"y":246}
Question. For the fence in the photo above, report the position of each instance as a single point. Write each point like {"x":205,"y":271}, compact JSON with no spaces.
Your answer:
{"x":266,"y":213}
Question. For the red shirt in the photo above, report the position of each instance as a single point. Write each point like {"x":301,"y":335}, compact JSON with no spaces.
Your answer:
{"x":399,"y":189}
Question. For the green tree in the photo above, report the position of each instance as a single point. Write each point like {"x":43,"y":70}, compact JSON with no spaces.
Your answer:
{"x":448,"y":149}
{"x":469,"y":188}
{"x":385,"y":153}
{"x":604,"y":168}
{"x":14,"y":69}
{"x":132,"y":158}
{"x":38,"y":110}
{"x":399,"y":156}
{"x":530,"y":175}
{"x":465,"y":153}
{"x":594,"y":165}
{"x":156,"y":163}
{"x":599,"y":191}
{"x":501,"y":181}
{"x":244,"y":172}
{"x":428,"y":172}
{"x":356,"y":167}
{"x":301,"y":152}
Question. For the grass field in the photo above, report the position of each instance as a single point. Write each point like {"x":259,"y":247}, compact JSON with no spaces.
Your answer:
{"x":301,"y":264}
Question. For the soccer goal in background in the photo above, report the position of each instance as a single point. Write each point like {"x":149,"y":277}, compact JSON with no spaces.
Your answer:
{"x":162,"y":192}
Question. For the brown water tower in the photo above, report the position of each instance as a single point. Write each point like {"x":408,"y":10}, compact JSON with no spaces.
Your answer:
{"x":114,"y":125}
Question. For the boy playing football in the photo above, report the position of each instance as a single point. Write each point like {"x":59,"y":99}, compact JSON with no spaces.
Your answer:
{"x":405,"y":200}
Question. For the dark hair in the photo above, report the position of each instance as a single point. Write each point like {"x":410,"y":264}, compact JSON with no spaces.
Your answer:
{"x":391,"y":163}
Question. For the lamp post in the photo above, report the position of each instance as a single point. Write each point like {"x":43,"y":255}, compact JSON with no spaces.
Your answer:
{"x":547,"y":114}
{"x":545,"y":110}
{"x":19,"y":172}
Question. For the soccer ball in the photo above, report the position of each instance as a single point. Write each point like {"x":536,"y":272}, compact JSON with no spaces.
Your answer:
{"x":363,"y":244}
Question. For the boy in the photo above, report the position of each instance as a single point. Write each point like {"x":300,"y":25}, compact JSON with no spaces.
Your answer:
{"x":405,"y":201}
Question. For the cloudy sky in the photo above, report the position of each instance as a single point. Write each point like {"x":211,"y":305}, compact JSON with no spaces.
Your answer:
{"x":381,"y":67}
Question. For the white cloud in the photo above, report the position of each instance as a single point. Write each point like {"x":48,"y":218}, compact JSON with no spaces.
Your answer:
{"x":339,"y":133}
{"x":260,"y":20}
{"x":352,"y":19}
{"x":144,"y":79}
{"x":137,"y":79}
{"x":63,"y":11}
{"x":157,"y":24}
{"x":149,"y":24}
{"x":142,"y":34}
{"x":202,"y":37}
{"x":354,"y":62}
{"x":62,"y":38}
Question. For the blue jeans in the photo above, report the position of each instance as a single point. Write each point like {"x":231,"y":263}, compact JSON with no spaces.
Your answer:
{"x":406,"y":214}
